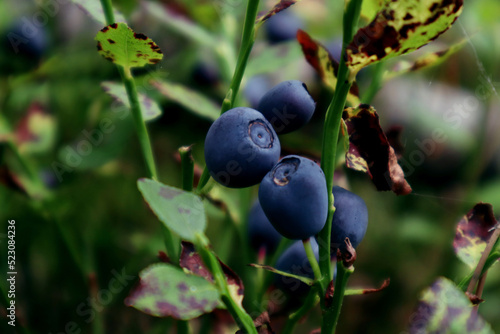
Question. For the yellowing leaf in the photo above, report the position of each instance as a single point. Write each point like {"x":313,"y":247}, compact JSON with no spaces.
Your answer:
{"x":401,"y":27}
{"x":121,"y":45}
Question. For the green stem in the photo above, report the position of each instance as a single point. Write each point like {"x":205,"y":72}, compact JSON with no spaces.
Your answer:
{"x":183,"y":327}
{"x":492,"y":258}
{"x":140,"y":125}
{"x":309,"y":303}
{"x":242,"y":318}
{"x":331,"y":133}
{"x":332,"y":312}
{"x":312,"y":260}
{"x":187,"y":164}
{"x":108,"y":11}
{"x":376,"y":84}
{"x":247,"y":42}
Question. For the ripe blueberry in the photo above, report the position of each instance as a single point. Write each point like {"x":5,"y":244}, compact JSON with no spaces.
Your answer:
{"x":288,"y":106}
{"x":240,"y":148}
{"x":294,"y":261}
{"x":294,"y":197}
{"x":282,"y":27}
{"x":350,"y":218}
{"x":260,"y":230}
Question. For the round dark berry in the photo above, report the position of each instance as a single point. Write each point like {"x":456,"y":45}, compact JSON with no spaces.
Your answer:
{"x":288,"y":106}
{"x":294,"y":197}
{"x":349,"y":220}
{"x":294,"y":261}
{"x":282,"y":27}
{"x":260,"y":231}
{"x":240,"y":148}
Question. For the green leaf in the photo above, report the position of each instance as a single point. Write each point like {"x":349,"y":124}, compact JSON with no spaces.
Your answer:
{"x":303,"y":279}
{"x":324,"y":64}
{"x":149,"y":108}
{"x":272,"y":58}
{"x":278,"y":7}
{"x":181,"y":211}
{"x":473,"y":233}
{"x":93,"y":8}
{"x":167,"y":291}
{"x":188,"y":98}
{"x":121,"y":45}
{"x":444,"y":308}
{"x":426,"y":61}
{"x":178,"y":24}
{"x":36,"y":131}
{"x":401,"y":27}
{"x":370,"y":8}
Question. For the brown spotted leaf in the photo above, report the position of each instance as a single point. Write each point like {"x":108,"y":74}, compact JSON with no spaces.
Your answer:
{"x":324,"y":64}
{"x":444,"y":308}
{"x":401,"y":27}
{"x":192,"y":263}
{"x":370,"y":152}
{"x":121,"y":45}
{"x":278,"y":7}
{"x":473,"y":233}
{"x":180,"y":211}
{"x":167,"y":291}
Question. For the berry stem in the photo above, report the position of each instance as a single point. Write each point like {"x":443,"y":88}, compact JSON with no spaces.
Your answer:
{"x":331,"y":313}
{"x":242,"y":318}
{"x":247,"y":42}
{"x":187,"y":165}
{"x":313,"y":261}
{"x":311,"y":300}
{"x":331,"y":132}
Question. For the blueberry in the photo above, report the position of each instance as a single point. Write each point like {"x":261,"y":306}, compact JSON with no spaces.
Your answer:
{"x":288,"y":106}
{"x":255,"y":88}
{"x":23,"y":45}
{"x":294,"y":261}
{"x":294,"y":197}
{"x":350,"y":218}
{"x":282,"y":27}
{"x":240,"y":148}
{"x":260,"y":230}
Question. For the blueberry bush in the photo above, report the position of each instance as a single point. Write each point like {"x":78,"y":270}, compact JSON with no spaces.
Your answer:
{"x":224,"y":166}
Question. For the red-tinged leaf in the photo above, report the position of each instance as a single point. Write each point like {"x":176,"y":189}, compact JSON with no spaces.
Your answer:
{"x":370,"y":152}
{"x":473,"y":233}
{"x":167,"y":291}
{"x":324,"y":64}
{"x":192,"y":263}
{"x":351,"y":292}
{"x":278,"y":7}
{"x":393,"y":135}
{"x":401,"y":27}
{"x":444,"y":308}
{"x":262,"y":323}
{"x":35,"y":133}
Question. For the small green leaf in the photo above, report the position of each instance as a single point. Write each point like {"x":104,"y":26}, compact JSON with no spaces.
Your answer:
{"x":401,"y":27}
{"x":445,"y":309}
{"x":473,"y":233}
{"x":278,"y":7}
{"x":272,"y":58}
{"x":93,"y":8}
{"x":149,"y":108}
{"x":303,"y":279}
{"x":36,"y":131}
{"x":121,"y":45}
{"x":179,"y":24}
{"x":180,"y":211}
{"x":324,"y":64}
{"x":167,"y":291}
{"x":188,"y":98}
{"x":425,"y":61}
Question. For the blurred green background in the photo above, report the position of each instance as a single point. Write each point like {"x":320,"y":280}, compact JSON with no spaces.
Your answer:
{"x":74,"y":233}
